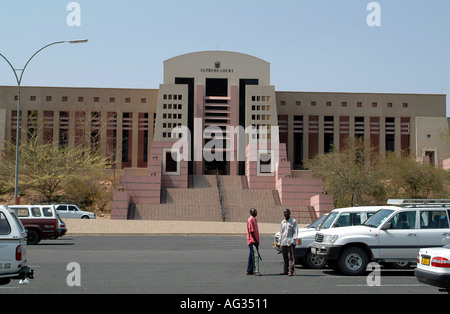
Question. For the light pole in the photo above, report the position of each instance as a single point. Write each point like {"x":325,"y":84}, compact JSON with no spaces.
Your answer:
{"x":19,"y":82}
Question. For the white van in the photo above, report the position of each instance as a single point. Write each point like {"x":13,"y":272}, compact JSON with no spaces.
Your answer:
{"x":13,"y":239}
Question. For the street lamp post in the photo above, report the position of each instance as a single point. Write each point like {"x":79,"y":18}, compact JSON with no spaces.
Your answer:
{"x":19,"y":83}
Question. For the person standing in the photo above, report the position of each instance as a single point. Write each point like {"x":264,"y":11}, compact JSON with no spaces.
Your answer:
{"x":253,"y":244}
{"x":288,"y":240}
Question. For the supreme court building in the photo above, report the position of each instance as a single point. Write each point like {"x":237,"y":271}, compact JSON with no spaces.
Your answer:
{"x":216,"y":112}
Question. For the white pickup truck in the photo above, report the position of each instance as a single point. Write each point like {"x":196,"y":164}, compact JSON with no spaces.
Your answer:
{"x":13,"y":242}
{"x":393,"y":234}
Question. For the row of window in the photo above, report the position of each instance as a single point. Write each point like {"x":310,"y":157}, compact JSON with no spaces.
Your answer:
{"x":172,"y":97}
{"x":345,"y":104}
{"x":82,"y":99}
{"x":261,"y":98}
{"x":172,"y":106}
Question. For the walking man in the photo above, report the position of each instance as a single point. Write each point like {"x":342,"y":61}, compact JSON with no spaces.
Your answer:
{"x":253,"y":244}
{"x":288,"y":240}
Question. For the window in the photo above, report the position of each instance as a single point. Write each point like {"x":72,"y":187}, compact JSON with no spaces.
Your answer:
{"x":433,"y":219}
{"x":216,"y":87}
{"x":313,"y":103}
{"x":374,"y":104}
{"x":344,"y":104}
{"x":389,"y":105}
{"x":96,"y":99}
{"x":65,"y":98}
{"x":80,"y":99}
{"x":21,"y":212}
{"x":32,"y":98}
{"x":5,"y":228}
{"x":348,"y":219}
{"x":47,"y":212}
{"x":359,"y":104}
{"x":404,"y":220}
{"x":48,"y":98}
{"x":171,"y":163}
{"x":405,"y":105}
{"x":36,"y":212}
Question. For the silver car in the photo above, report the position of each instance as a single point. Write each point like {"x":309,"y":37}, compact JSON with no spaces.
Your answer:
{"x":72,"y":211}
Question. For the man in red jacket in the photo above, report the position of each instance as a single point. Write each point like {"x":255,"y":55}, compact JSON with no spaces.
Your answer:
{"x":253,"y":244}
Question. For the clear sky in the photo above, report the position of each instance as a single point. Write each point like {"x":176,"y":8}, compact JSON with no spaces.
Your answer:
{"x":312,"y":45}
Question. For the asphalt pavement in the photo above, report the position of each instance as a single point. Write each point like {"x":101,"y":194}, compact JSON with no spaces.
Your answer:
{"x":190,"y":265}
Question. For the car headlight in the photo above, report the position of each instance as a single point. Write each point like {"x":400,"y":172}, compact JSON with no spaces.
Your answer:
{"x":329,"y":238}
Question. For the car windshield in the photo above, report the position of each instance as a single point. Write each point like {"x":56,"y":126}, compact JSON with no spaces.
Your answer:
{"x":328,"y":222}
{"x":378,"y":218}
{"x":317,"y":223}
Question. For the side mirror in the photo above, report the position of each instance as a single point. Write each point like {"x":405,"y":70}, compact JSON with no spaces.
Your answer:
{"x":387,"y":226}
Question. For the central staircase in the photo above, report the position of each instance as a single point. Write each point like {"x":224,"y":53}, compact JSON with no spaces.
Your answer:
{"x":220,"y":198}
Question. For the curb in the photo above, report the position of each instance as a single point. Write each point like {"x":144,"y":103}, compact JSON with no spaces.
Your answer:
{"x":100,"y":227}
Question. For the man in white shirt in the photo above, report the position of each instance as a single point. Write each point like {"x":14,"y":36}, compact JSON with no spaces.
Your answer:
{"x":288,"y":240}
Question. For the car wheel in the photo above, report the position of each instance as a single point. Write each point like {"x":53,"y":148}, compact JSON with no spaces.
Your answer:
{"x":353,"y":261}
{"x":33,"y":237}
{"x":4,"y":281}
{"x":314,"y":261}
{"x":85,"y":217}
{"x":401,"y":265}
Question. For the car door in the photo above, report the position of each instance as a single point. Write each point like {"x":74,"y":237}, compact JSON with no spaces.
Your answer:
{"x":7,"y":247}
{"x":73,"y":212}
{"x":434,"y":228}
{"x":400,"y":241}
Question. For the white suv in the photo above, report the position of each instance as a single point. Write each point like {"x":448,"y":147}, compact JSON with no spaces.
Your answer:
{"x":394,"y":234}
{"x":13,"y":261}
{"x":338,"y":218}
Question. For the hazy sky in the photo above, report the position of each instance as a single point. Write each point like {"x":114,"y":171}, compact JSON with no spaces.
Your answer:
{"x":312,"y":45}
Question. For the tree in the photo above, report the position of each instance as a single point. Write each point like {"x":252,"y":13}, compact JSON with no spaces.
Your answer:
{"x":47,"y":168}
{"x":352,"y":175}
{"x":407,"y":178}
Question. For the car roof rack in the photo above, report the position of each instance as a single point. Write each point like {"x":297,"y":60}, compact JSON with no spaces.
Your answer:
{"x":404,"y":202}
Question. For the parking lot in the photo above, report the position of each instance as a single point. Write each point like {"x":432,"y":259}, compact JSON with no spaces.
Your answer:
{"x":185,"y":265}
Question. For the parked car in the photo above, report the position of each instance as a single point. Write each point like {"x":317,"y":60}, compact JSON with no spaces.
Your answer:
{"x":13,"y":257}
{"x":338,"y":218}
{"x":393,"y":234}
{"x":62,"y":228}
{"x":72,"y":211}
{"x":433,"y":267}
{"x":40,"y":221}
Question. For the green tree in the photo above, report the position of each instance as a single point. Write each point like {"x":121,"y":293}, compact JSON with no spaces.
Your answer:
{"x":351,"y":175}
{"x":47,"y":168}
{"x":407,"y":178}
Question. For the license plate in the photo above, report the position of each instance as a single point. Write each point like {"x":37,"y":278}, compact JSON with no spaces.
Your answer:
{"x":426,"y":261}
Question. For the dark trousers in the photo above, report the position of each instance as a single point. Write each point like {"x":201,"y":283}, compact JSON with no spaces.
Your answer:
{"x":289,"y":258}
{"x":253,"y":259}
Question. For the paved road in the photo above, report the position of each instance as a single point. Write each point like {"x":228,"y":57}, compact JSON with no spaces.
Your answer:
{"x":184,"y":265}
